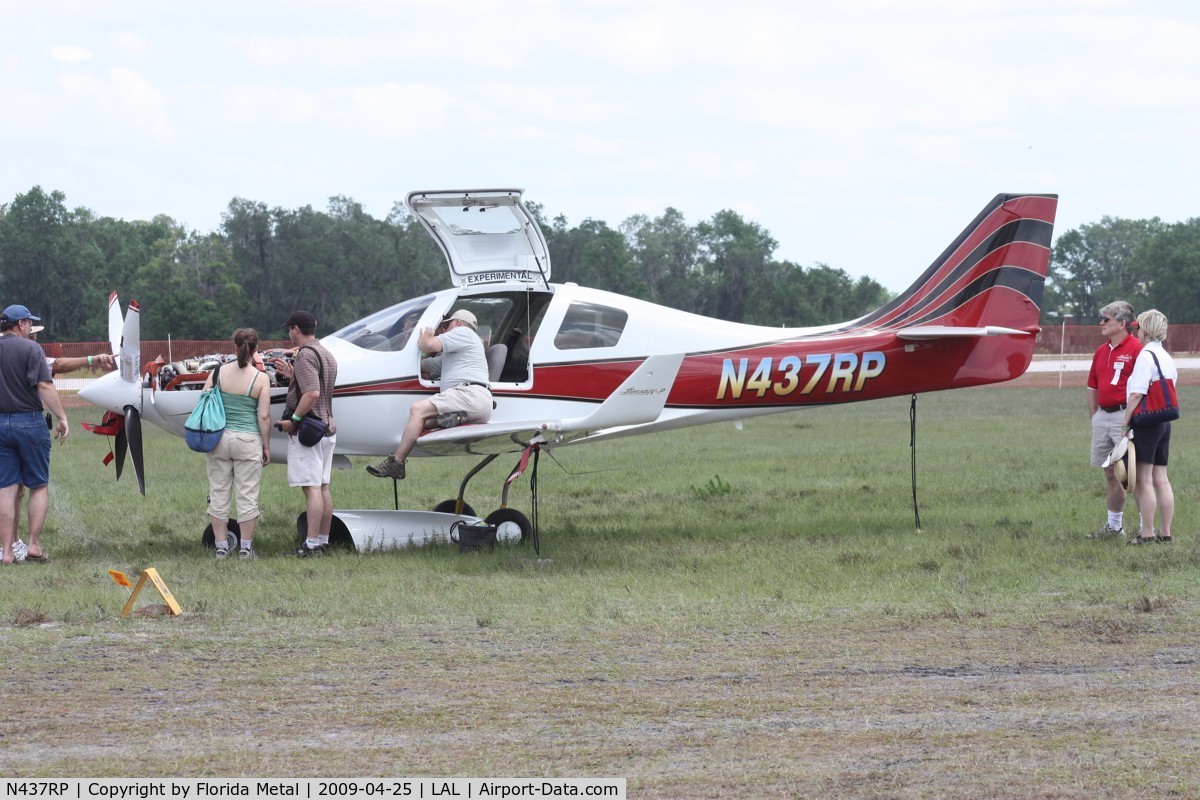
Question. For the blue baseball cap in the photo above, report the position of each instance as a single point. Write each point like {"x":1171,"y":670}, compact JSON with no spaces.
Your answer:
{"x":18,"y":313}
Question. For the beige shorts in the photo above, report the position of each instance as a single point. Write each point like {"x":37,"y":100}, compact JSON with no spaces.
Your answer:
{"x":310,"y":466}
{"x":1106,"y":432}
{"x":472,"y":400}
{"x":235,"y":467}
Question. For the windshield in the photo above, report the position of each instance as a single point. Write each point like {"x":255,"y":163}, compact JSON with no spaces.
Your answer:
{"x":389,"y":329}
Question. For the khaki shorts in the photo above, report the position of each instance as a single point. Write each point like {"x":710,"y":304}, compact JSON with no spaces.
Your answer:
{"x":310,"y":466}
{"x":472,"y":400}
{"x":1106,"y":432}
{"x":235,"y":467}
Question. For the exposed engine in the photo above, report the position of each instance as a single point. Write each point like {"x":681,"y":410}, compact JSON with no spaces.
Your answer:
{"x":191,"y":373}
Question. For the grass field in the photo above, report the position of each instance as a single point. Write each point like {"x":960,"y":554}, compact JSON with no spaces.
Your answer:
{"x":717,"y":613}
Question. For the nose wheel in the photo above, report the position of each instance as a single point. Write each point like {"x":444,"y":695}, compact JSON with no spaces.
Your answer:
{"x":511,"y":525}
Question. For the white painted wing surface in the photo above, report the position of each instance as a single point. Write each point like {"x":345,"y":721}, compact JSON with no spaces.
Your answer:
{"x":637,"y":401}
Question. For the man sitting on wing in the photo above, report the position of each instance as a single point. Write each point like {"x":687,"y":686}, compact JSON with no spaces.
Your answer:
{"x":465,"y":395}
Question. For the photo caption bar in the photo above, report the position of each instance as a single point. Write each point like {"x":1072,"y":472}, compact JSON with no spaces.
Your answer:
{"x":310,"y":788}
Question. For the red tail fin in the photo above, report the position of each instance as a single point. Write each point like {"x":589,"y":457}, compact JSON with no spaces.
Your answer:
{"x":991,"y":275}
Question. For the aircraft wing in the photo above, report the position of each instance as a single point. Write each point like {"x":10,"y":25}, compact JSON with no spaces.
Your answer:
{"x":926,"y":332}
{"x":638,"y":400}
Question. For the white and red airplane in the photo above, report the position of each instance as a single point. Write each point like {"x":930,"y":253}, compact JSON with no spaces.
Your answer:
{"x":571,"y":365}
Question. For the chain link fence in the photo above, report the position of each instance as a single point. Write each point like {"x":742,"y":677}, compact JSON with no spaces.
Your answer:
{"x":1084,"y":339}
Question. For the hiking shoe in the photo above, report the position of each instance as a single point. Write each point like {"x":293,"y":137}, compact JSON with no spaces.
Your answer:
{"x":388,"y":468}
{"x":326,"y":549}
{"x":451,"y":419}
{"x":20,"y":550}
{"x":1107,"y":532}
{"x":247,"y":553}
{"x":304,"y":551}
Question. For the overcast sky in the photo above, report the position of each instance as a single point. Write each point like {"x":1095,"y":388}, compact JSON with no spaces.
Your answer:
{"x":863,"y":135}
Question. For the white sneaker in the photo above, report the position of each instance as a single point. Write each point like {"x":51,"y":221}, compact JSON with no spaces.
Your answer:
{"x":20,"y":550}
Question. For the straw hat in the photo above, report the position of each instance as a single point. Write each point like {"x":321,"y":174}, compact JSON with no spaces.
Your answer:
{"x":1123,"y":460}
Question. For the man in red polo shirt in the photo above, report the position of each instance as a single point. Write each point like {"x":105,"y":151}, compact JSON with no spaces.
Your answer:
{"x":1111,"y":365}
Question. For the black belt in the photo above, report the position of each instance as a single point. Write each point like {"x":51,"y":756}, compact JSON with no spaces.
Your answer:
{"x":1112,"y":409}
{"x":489,"y":388}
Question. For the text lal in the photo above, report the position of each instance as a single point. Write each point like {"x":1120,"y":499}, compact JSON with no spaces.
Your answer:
{"x":832,"y":372}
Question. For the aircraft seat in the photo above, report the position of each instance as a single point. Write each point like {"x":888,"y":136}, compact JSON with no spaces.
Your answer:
{"x":496,"y":355}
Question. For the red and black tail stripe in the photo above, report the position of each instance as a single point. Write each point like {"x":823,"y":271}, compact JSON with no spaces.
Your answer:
{"x":1006,"y":245}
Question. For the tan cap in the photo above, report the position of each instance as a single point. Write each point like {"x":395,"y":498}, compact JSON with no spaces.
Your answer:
{"x":462,"y":315}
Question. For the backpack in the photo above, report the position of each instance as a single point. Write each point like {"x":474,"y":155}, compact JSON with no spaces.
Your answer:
{"x":205,"y":425}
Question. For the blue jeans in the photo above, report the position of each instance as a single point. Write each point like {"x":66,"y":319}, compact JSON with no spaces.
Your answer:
{"x":24,"y":450}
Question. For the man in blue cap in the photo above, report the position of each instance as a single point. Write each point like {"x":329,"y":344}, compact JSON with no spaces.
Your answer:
{"x":57,"y":365}
{"x":25,"y":389}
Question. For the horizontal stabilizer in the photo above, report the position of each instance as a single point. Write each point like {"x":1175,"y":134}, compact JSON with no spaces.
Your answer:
{"x":925,"y":332}
{"x":639,"y":399}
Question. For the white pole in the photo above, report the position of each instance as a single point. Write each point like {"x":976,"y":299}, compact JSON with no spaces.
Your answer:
{"x":1062,"y":349}
{"x":170,"y":359}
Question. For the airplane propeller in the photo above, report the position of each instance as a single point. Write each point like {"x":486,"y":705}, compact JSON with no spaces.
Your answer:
{"x":126,"y":427}
{"x":131,"y":372}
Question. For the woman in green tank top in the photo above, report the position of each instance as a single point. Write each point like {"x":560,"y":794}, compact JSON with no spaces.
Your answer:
{"x":235,"y":465}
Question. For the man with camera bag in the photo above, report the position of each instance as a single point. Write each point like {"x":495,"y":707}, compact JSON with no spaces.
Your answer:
{"x":312,"y":376}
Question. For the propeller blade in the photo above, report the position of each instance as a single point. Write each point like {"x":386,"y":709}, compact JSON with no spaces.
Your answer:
{"x":131,"y":344}
{"x":115,"y":323}
{"x":133,"y":431}
{"x":119,"y":448}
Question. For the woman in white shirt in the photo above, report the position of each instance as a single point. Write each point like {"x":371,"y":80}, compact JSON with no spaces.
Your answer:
{"x":1152,"y":442}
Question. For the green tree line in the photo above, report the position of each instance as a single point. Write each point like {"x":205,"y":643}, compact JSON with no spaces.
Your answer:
{"x":342,"y":264}
{"x":1147,"y":262}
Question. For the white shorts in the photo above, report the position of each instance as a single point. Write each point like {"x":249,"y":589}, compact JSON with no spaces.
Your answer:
{"x":310,"y":466}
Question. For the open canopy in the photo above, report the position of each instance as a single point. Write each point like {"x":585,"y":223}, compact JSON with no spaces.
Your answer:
{"x":488,"y":236}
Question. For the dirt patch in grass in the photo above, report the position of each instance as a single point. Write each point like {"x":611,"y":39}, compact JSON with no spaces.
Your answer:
{"x":783,"y":709}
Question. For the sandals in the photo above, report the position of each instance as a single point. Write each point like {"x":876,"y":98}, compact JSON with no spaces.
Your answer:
{"x":1136,"y":540}
{"x":41,"y":558}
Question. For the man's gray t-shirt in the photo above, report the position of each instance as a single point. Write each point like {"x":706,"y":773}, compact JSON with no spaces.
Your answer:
{"x":462,"y":358}
{"x":22,"y":368}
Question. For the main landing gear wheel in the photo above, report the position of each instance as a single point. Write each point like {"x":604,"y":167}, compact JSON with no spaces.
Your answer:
{"x":448,"y":506}
{"x":511,"y":525}
{"x":339,"y":534}
{"x":209,"y":540}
